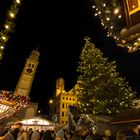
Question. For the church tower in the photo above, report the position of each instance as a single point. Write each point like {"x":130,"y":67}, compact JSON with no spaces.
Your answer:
{"x":27,"y":76}
{"x":60,"y":85}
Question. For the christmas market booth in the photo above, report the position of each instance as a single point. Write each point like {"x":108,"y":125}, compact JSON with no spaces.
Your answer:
{"x":99,"y":122}
{"x":104,"y":122}
{"x":11,"y":103}
{"x":131,"y":116}
{"x":38,"y":123}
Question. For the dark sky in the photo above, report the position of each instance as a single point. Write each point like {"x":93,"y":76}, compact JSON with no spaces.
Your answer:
{"x":58,"y":28}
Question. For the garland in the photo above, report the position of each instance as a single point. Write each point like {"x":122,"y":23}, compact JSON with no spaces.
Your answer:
{"x":11,"y":103}
{"x":8,"y":25}
{"x":111,"y":15}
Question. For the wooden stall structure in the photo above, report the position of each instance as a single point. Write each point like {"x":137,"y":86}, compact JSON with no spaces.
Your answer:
{"x":38,"y":123}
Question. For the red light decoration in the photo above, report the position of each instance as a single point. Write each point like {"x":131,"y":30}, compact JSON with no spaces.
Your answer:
{"x":11,"y":103}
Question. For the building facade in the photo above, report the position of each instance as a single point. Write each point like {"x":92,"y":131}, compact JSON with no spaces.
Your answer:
{"x":27,"y":76}
{"x":62,"y":100}
{"x":25,"y":83}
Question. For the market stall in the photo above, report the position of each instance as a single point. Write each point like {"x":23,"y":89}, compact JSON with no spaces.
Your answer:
{"x":38,"y":123}
{"x":11,"y":103}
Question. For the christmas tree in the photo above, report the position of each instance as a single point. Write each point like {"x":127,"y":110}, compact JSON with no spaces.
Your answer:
{"x":101,"y":90}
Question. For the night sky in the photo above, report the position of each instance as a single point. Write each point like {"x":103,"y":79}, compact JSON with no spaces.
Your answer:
{"x":57,"y":28}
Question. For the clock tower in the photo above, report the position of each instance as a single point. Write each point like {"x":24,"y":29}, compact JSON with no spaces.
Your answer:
{"x":26,"y":79}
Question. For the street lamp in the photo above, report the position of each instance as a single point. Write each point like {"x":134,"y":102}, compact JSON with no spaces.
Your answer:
{"x":51,"y":109}
{"x":39,"y":111}
{"x":51,"y":101}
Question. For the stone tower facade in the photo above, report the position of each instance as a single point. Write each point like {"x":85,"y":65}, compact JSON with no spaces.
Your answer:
{"x":60,"y":85}
{"x":62,"y":100}
{"x":27,"y":76}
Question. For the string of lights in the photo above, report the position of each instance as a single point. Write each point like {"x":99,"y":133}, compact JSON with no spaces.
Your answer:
{"x":11,"y":103}
{"x":9,"y":25}
{"x":113,"y":18}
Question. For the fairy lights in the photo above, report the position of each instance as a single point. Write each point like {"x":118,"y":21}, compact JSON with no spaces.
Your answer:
{"x":112,"y":18}
{"x":10,"y":103}
{"x":8,"y":25}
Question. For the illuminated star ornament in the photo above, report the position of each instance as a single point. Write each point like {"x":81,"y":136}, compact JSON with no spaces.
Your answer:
{"x":11,"y":103}
{"x":8,"y":25}
{"x":121,"y":20}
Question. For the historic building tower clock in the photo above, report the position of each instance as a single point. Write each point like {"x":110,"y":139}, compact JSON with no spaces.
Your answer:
{"x":26,"y":79}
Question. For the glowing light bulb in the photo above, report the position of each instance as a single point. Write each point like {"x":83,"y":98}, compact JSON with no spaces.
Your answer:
{"x":3,"y":37}
{"x":93,"y":6}
{"x":104,"y":5}
{"x":116,"y":11}
{"x":136,"y":43}
{"x":133,"y":6}
{"x":97,"y":9}
{"x":115,"y":37}
{"x":107,"y":18}
{"x":120,"y":16}
{"x":18,"y":1}
{"x":111,"y":27}
{"x":1,"y":47}
{"x":95,"y":14}
{"x":102,"y":23}
{"x":6,"y":26}
{"x":12,"y":15}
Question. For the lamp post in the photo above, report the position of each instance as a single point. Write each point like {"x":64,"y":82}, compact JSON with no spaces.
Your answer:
{"x":51,"y":108}
{"x":51,"y":101}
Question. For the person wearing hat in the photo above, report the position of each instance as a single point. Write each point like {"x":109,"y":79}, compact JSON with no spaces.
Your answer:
{"x":11,"y":134}
{"x":133,"y":131}
{"x":60,"y":134}
{"x":107,"y":135}
{"x":2,"y":129}
{"x":22,"y":135}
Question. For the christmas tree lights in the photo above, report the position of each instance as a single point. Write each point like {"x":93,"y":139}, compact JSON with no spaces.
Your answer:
{"x":112,"y":17}
{"x":9,"y":25}
{"x":101,"y":90}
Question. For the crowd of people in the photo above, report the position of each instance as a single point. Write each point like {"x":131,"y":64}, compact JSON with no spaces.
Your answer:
{"x":16,"y":132}
{"x":83,"y":132}
{"x":87,"y":132}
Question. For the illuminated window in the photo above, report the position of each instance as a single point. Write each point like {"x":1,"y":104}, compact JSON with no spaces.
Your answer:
{"x":29,"y":64}
{"x":62,"y":114}
{"x":33,"y":65}
{"x":132,"y":4}
{"x":133,"y":7}
{"x":63,"y":105}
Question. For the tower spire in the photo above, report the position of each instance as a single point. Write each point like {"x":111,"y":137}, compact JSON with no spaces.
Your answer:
{"x":27,"y":76}
{"x":87,"y":39}
{"x":37,"y":48}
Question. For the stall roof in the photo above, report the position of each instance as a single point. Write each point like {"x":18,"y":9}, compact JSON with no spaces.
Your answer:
{"x":127,"y":117}
{"x":37,"y":121}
